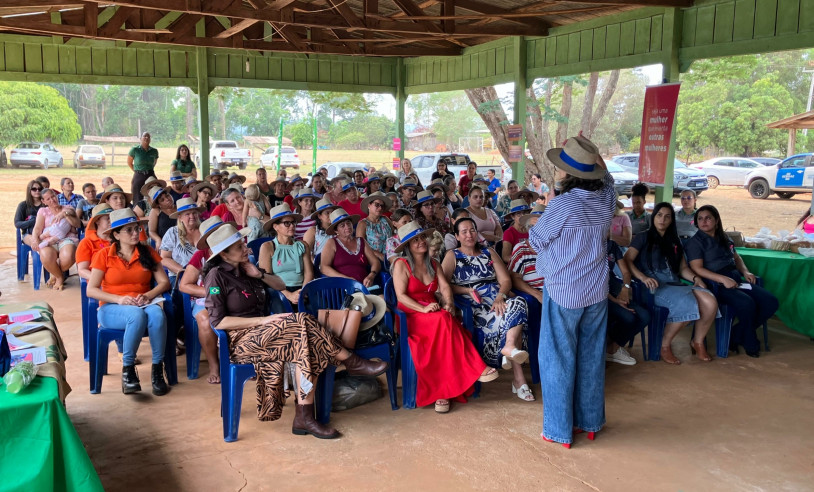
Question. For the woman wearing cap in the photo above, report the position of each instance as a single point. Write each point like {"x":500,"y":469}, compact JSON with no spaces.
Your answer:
{"x":514,"y":233}
{"x":424,"y":212}
{"x":176,"y":188}
{"x":346,"y":255}
{"x":486,"y":219}
{"x":407,"y":192}
{"x":57,"y":251}
{"x":480,"y":276}
{"x":26,"y":215}
{"x":236,"y":299}
{"x":284,"y":256}
{"x":142,"y":207}
{"x":202,"y":194}
{"x":179,"y":243}
{"x":621,"y":231}
{"x":294,"y":187}
{"x":91,"y":243}
{"x":446,"y":361}
{"x":121,"y":278}
{"x":712,"y":256}
{"x":183,"y":163}
{"x":161,"y":219}
{"x":191,"y":283}
{"x":316,"y":236}
{"x":375,"y":228}
{"x":373,"y":184}
{"x":405,"y":170}
{"x":305,"y":205}
{"x":352,"y":202}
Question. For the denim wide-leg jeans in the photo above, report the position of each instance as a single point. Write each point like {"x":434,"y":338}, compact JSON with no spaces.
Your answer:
{"x":572,"y":368}
{"x":136,"y":321}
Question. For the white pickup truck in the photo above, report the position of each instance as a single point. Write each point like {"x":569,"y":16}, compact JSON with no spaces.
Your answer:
{"x":225,"y":153}
{"x":426,"y":164}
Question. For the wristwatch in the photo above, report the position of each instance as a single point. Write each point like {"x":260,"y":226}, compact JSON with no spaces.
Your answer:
{"x":627,"y":286}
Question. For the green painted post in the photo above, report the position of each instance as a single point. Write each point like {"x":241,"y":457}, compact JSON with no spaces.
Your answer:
{"x":519,"y":116}
{"x":670,"y":73}
{"x":203,"y":107}
{"x":314,"y":144}
{"x":279,"y":145}
{"x":401,"y":101}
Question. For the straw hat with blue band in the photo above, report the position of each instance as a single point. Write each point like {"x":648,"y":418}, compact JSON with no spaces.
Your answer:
{"x":337,"y":217}
{"x":156,"y":192}
{"x":236,"y":177}
{"x":346,"y":185}
{"x":372,"y":307}
{"x":323,"y":205}
{"x":304,"y":193}
{"x":223,"y":237}
{"x":426,"y":196}
{"x":152,"y":181}
{"x":120,"y":218}
{"x":537,"y":211}
{"x":294,"y":179}
{"x":534,"y":196}
{"x":478,"y":178}
{"x":98,"y":211}
{"x":279,"y":213}
{"x":376,"y":195}
{"x":209,"y":226}
{"x":189,"y":183}
{"x":114,"y":188}
{"x":212,"y":174}
{"x":409,"y":182}
{"x":578,"y":157}
{"x":410,"y":231}
{"x":198,"y":187}
{"x":185,"y":205}
{"x":518,"y":206}
{"x":176,"y":176}
{"x":436,"y":184}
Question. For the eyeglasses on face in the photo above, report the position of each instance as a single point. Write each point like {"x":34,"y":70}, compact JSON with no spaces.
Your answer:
{"x":36,"y":189}
{"x":287,"y":223}
{"x":377,"y":204}
{"x":686,"y":197}
{"x":132,"y":229}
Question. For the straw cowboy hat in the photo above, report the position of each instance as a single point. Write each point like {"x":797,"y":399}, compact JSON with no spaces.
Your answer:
{"x":526,"y":192}
{"x":408,"y":182}
{"x":238,"y":187}
{"x":185,"y":205}
{"x":152,"y":181}
{"x":337,"y":216}
{"x":537,"y":211}
{"x":478,"y":178}
{"x":304,"y":193}
{"x":114,"y":188}
{"x":193,"y":193}
{"x":372,"y":308}
{"x":279,"y":213}
{"x":121,"y":218}
{"x":426,"y":196}
{"x":323,"y":205}
{"x":378,"y":195}
{"x":517,"y":206}
{"x":223,"y":237}
{"x":235,"y":176}
{"x":437,"y":183}
{"x":408,"y":232}
{"x":154,"y":193}
{"x":212,"y":174}
{"x":98,"y":211}
{"x":294,"y":179}
{"x":578,"y":157}
{"x":209,"y":226}
{"x":190,"y":182}
{"x":176,"y":176}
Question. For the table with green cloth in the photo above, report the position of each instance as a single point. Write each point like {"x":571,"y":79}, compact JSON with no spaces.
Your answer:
{"x":39,"y":446}
{"x":789,"y":277}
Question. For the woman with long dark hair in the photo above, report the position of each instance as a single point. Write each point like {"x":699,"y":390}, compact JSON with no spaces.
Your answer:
{"x":712,"y":255}
{"x":183,"y":163}
{"x":121,"y":279}
{"x":656,"y":258}
{"x":26,"y":215}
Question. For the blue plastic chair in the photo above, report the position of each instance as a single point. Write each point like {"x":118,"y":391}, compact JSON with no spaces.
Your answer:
{"x":535,"y":313}
{"x":37,"y":270}
{"x":468,"y":320}
{"x":191,"y":341}
{"x":101,"y":338}
{"x":232,"y":379}
{"x":409,"y":378}
{"x":329,"y":293}
{"x":23,"y":250}
{"x":723,"y":325}
{"x":658,"y":320}
{"x":317,"y":266}
{"x":255,"y":246}
{"x":83,"y":292}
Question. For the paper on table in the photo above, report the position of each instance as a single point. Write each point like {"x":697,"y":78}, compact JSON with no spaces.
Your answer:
{"x":24,"y":316}
{"x":23,"y":328}
{"x":745,"y":286}
{"x":35,"y":355}
{"x":15,"y":343}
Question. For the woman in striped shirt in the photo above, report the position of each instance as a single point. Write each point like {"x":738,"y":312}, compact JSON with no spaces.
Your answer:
{"x":304,"y":204}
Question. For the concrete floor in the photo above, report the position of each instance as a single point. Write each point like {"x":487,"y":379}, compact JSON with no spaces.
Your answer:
{"x":733,"y":424}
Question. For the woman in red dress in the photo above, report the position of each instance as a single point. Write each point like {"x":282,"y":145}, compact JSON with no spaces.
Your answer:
{"x":446,"y":361}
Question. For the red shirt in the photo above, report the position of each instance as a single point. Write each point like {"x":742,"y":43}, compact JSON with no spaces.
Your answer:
{"x":219,"y":211}
{"x":463,"y":184}
{"x":353,"y":208}
{"x":513,"y":236}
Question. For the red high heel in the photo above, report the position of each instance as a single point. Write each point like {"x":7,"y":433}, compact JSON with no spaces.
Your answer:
{"x":566,"y":445}
{"x":591,"y":435}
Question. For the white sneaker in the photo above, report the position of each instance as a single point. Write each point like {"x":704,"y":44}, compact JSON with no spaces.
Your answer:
{"x":621,"y":356}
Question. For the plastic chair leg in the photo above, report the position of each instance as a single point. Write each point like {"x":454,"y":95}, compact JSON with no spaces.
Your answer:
{"x":193,"y":350}
{"x":83,"y":287}
{"x":37,"y":270}
{"x":234,"y":401}
{"x":766,"y":336}
{"x":324,"y":394}
{"x":100,"y":366}
{"x":409,"y":378}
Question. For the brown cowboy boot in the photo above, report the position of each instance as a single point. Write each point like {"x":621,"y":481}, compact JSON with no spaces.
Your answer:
{"x":358,"y":366}
{"x":305,"y":423}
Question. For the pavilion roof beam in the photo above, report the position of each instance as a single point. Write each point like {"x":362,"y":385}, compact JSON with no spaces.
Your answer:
{"x":484,"y":8}
{"x":637,"y":3}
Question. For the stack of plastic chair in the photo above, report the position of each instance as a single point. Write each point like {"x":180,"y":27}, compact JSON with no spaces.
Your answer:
{"x":409,"y":378}
{"x":658,"y":319}
{"x":535,"y":311}
{"x":100,"y":339}
{"x":329,"y":293}
{"x":23,"y":250}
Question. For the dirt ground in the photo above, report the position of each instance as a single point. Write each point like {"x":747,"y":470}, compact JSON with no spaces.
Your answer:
{"x":735,"y":424}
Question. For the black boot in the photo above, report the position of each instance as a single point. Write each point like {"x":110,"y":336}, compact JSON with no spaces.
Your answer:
{"x":130,"y":382}
{"x":159,"y":385}
{"x":305,"y":423}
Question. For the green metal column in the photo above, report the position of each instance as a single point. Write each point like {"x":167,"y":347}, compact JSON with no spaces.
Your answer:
{"x":203,"y":107}
{"x":401,"y":101}
{"x":670,"y":73}
{"x":519,"y":116}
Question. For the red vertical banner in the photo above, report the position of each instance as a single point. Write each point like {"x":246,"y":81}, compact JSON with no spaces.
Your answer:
{"x":657,"y":128}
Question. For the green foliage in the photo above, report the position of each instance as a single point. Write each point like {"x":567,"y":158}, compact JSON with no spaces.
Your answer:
{"x":36,"y":112}
{"x":449,"y":114}
{"x":363,"y":131}
{"x":301,"y":134}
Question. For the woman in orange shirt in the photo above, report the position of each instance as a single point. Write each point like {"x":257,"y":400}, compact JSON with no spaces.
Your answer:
{"x":121,"y":279}
{"x":91,"y":243}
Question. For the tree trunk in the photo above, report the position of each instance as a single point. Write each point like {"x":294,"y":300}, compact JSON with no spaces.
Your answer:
{"x":565,"y":112}
{"x":604,"y":101}
{"x":487,"y":104}
{"x":222,"y":111}
{"x":538,"y":139}
{"x":588,"y":107}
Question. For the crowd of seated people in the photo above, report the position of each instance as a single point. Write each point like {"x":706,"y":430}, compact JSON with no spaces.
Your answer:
{"x":447,"y":247}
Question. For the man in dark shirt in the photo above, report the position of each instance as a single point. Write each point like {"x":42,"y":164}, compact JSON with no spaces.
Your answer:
{"x":141,"y":159}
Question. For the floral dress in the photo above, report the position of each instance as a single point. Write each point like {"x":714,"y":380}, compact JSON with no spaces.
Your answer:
{"x":378,"y":233}
{"x":478,"y":272}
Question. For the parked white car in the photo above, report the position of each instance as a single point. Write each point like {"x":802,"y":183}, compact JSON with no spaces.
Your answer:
{"x":289,"y":157}
{"x":425,"y":165}
{"x":89,"y":155}
{"x":794,"y":175}
{"x":33,"y":154}
{"x":727,"y":171}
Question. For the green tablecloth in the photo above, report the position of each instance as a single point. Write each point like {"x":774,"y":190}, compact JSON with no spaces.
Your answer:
{"x":790,"y":277}
{"x":39,"y":446}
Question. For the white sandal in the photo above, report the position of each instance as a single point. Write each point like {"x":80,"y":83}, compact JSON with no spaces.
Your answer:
{"x":523,"y":392}
{"x":442,"y":406}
